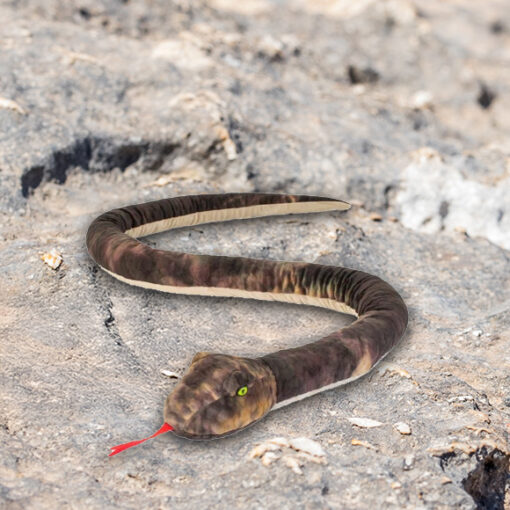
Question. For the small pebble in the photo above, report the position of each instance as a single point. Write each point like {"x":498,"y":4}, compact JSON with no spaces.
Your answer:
{"x":375,"y":217}
{"x":280,"y":441}
{"x":293,"y":463}
{"x":408,"y":462}
{"x":307,"y":450}
{"x":395,"y":370}
{"x":250,"y":484}
{"x":365,"y":423}
{"x":261,"y":449}
{"x":312,"y":458}
{"x":9,"y":104}
{"x":271,"y":47}
{"x":268,"y":458}
{"x":52,"y":259}
{"x":359,"y":89}
{"x":477,"y":333}
{"x":169,"y":373}
{"x":422,"y":99}
{"x":228,"y":144}
{"x":304,"y":444}
{"x":403,"y":428}
{"x":445,"y":480}
{"x":365,"y":444}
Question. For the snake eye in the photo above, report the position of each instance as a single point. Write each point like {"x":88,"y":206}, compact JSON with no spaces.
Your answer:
{"x":242,"y":391}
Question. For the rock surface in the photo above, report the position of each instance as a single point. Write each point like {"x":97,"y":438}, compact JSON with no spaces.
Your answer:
{"x":400,"y":107}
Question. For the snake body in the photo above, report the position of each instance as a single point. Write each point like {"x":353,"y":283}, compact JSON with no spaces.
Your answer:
{"x":221,"y":394}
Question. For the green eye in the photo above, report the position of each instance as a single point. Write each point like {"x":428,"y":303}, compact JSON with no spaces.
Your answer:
{"x":242,"y":391}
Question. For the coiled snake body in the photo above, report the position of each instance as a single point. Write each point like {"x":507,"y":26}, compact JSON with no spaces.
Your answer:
{"x":220,"y":394}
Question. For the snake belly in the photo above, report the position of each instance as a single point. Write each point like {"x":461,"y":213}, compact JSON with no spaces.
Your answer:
{"x":221,"y":394}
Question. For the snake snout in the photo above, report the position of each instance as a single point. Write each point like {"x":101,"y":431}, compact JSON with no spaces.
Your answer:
{"x":219,"y":395}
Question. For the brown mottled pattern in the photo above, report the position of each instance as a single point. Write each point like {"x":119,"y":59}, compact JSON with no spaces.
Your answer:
{"x":382,"y":322}
{"x":204,"y":403}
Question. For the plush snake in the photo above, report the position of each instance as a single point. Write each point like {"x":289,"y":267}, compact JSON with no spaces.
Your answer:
{"x":221,"y":394}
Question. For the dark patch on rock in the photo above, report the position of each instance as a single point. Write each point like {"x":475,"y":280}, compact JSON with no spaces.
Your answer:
{"x":31,"y":179}
{"x":250,"y":172}
{"x":418,"y":119}
{"x":389,"y":194}
{"x":362,"y":75}
{"x":95,"y":154}
{"x":236,"y":88}
{"x":445,"y":458}
{"x":486,"y":96}
{"x":497,"y":27}
{"x":84,"y":13}
{"x":234,"y":130}
{"x":110,"y":320}
{"x":443,"y":209}
{"x":486,"y":483}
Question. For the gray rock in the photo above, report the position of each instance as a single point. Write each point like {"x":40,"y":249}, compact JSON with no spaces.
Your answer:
{"x":106,"y":103}
{"x":436,"y":196}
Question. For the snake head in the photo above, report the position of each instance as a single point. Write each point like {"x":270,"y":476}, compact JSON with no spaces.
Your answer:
{"x":219,"y":395}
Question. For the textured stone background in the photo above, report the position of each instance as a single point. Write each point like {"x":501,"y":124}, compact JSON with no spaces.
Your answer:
{"x":401,"y":107}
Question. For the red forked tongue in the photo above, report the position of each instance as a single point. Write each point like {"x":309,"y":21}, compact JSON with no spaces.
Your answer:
{"x":121,"y":447}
